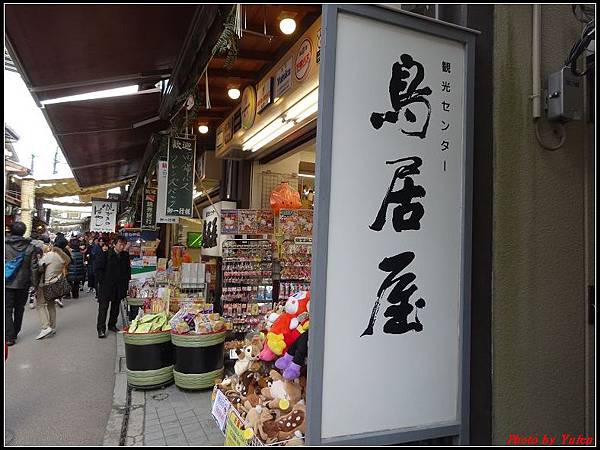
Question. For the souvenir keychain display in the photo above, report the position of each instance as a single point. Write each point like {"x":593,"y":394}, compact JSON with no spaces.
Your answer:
{"x":247,"y":284}
{"x":296,"y":263}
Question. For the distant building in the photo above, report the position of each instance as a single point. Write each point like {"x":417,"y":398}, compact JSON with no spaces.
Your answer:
{"x":13,"y":172}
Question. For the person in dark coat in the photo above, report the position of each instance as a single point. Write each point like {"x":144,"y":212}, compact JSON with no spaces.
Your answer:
{"x":93,"y":247}
{"x":76,"y":269}
{"x":17,"y":288}
{"x":112,"y":271}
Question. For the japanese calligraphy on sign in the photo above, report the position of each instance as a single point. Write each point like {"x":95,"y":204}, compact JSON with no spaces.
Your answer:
{"x":104,"y":215}
{"x":213,"y":236}
{"x":149,"y":208}
{"x":389,"y":252}
{"x":180,"y":178}
{"x":162,"y":169}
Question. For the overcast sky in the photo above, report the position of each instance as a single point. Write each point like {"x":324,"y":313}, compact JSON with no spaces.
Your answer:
{"x":26,"y":119}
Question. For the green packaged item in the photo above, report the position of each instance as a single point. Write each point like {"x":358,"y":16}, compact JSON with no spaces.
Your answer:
{"x":144,"y":328}
{"x":148,"y":318}
{"x":133,"y":326}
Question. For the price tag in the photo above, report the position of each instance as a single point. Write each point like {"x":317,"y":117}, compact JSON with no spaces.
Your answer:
{"x":303,"y":241}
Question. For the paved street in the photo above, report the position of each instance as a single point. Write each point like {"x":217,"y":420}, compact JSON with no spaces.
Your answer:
{"x":59,"y":390}
{"x":175,"y":417}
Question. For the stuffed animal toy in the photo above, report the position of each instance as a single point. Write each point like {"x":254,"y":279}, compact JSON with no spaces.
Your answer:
{"x":256,"y":417}
{"x":295,"y":357}
{"x":285,"y":330}
{"x":248,"y":382}
{"x":246,"y":357}
{"x":292,"y":422}
{"x":270,"y":431}
{"x":280,"y":389}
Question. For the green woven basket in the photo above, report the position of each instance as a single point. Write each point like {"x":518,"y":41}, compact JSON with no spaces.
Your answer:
{"x":197,"y":381}
{"x":135,"y":301}
{"x":198,"y":340}
{"x":147,"y":338}
{"x":150,"y":378}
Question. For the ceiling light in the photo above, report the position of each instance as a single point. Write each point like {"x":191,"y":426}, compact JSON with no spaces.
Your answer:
{"x":279,"y":131}
{"x":203,"y":129}
{"x":287,"y":25}
{"x":117,"y":92}
{"x":234,"y":93}
{"x":308,"y":103}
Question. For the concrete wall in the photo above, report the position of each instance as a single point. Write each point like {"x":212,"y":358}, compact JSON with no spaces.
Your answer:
{"x":538,"y":324}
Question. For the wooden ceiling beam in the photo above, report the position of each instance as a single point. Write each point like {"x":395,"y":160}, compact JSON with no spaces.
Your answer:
{"x":241,"y":74}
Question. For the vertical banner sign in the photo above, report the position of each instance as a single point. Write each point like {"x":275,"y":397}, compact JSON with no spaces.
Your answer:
{"x":104,"y":215}
{"x":401,"y":122}
{"x":180,"y":178}
{"x":212,"y":238}
{"x":149,"y":208}
{"x":161,"y":202}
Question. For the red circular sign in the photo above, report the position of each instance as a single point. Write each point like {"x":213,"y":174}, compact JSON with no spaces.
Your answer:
{"x":303,"y":60}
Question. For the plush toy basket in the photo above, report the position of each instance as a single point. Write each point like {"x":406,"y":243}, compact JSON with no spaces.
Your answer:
{"x":238,"y":424}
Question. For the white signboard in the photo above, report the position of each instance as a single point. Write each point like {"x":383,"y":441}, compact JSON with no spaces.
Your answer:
{"x":399,"y":122}
{"x":220,"y":408}
{"x":212,"y":239}
{"x":161,"y":201}
{"x":104,"y":215}
{"x":283,"y":78}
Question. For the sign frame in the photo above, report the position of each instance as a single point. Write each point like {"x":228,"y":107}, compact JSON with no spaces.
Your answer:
{"x":316,"y":360}
{"x":149,"y":190}
{"x":173,"y":139}
{"x":97,"y":199}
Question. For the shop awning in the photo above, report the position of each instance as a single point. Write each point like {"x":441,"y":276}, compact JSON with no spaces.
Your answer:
{"x":66,"y":187}
{"x":104,"y":139}
{"x":72,"y":49}
{"x":64,"y":50}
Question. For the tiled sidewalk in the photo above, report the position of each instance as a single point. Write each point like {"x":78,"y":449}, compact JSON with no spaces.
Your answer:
{"x":175,"y":417}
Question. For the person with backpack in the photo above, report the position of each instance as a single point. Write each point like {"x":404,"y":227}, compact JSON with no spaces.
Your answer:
{"x":20,"y":272}
{"x":53,"y":265}
{"x":76,"y":269}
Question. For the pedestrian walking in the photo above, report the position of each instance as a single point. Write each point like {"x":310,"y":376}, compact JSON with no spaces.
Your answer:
{"x":38,"y":243}
{"x":76,"y":268}
{"x":91,"y":251}
{"x":111,"y":273}
{"x":20,"y":273}
{"x":99,"y":263}
{"x":62,"y":243}
{"x":53,"y":265}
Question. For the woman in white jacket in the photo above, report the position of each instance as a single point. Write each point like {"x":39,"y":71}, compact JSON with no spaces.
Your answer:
{"x":53,"y":264}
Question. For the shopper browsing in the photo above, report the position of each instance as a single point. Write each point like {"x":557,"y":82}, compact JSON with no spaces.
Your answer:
{"x":53,"y":265}
{"x":20,"y":272}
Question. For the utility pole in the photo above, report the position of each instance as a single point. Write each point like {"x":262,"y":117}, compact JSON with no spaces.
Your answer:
{"x":55,"y":161}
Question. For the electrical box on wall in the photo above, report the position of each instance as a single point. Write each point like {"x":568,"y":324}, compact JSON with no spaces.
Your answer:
{"x":565,"y":96}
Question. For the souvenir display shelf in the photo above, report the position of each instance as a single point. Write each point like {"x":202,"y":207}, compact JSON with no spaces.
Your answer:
{"x":247,"y":284}
{"x":296,"y":263}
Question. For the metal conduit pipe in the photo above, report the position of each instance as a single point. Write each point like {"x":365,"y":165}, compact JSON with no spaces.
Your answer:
{"x":536,"y":61}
